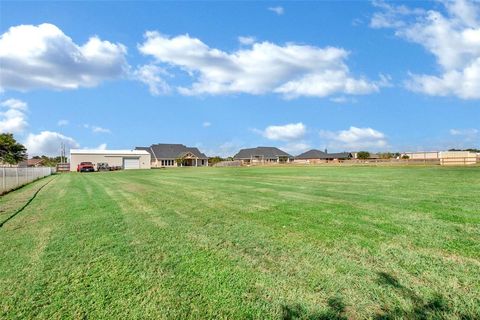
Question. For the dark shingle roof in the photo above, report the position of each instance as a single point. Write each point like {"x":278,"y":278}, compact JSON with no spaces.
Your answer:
{"x":146,"y":149}
{"x":171,"y":151}
{"x":265,"y":152}
{"x":317,"y":154}
{"x":339,"y":155}
{"x":312,"y":154}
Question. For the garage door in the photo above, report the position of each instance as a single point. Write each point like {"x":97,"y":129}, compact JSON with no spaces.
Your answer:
{"x":131,"y":164}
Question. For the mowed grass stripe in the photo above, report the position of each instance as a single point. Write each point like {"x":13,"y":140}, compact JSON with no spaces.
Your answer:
{"x":250,"y":243}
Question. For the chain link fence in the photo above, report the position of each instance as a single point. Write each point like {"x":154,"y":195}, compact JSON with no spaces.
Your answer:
{"x":12,"y":178}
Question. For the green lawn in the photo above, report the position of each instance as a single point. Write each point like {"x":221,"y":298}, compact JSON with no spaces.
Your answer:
{"x":236,"y":243}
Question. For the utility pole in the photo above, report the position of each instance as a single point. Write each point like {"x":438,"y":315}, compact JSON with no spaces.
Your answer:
{"x":64,"y":156}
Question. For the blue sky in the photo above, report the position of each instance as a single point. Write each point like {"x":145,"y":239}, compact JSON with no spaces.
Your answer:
{"x":394,"y":76}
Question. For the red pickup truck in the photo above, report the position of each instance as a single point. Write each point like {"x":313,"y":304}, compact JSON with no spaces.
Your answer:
{"x":85,"y":167}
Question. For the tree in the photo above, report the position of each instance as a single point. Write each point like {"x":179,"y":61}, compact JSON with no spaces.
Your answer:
{"x":214,"y":160}
{"x":386,"y":155}
{"x":49,"y":161}
{"x":11,"y":151}
{"x":405,"y":157}
{"x":469,"y":149}
{"x":363,"y":155}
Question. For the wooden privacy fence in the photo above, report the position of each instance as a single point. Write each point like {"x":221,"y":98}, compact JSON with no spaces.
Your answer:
{"x":12,"y":178}
{"x":63,"y":167}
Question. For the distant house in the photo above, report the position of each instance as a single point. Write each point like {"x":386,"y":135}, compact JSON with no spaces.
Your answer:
{"x":263,"y":155}
{"x":175,"y":155}
{"x":317,"y":156}
{"x":35,"y":162}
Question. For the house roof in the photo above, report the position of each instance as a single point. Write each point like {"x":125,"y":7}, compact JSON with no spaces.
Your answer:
{"x":312,"y":154}
{"x":115,"y":152}
{"x":317,"y":154}
{"x":339,"y":155}
{"x":265,"y":152}
{"x":34,"y":162}
{"x":171,"y":151}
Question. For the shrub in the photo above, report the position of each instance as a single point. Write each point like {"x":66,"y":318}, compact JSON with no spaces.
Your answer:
{"x":363,"y":155}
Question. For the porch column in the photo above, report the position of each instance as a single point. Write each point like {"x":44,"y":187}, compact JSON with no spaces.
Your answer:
{"x":196,"y":162}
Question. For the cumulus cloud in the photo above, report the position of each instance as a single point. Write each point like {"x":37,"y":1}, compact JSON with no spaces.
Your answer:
{"x":44,"y":57}
{"x":48,"y":143}
{"x":290,"y":70}
{"x":151,"y":75}
{"x":288,"y":132}
{"x":248,"y":40}
{"x":13,"y":117}
{"x":278,"y":10}
{"x":355,"y":138}
{"x":452,"y":36}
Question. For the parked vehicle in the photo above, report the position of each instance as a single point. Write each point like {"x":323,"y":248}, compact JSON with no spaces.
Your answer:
{"x":85,"y":167}
{"x":103,"y":166}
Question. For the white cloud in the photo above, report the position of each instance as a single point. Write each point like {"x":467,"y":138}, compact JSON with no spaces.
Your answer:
{"x":44,"y":57}
{"x":343,"y":99}
{"x":288,"y":132}
{"x":278,"y":10}
{"x":206,"y":124}
{"x":96,"y":129}
{"x":452,"y":36}
{"x":48,"y":143}
{"x":291,"y":70}
{"x":466,"y":135}
{"x":463,"y":132}
{"x":15,"y":104}
{"x":150,"y":75}
{"x":226,"y":149}
{"x":102,"y":146}
{"x":391,"y":16}
{"x":296,"y":148}
{"x":63,"y":122}
{"x":13,"y":118}
{"x":247,"y":40}
{"x":355,"y":138}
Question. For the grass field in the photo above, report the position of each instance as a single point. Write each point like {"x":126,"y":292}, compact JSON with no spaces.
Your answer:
{"x":236,"y":243}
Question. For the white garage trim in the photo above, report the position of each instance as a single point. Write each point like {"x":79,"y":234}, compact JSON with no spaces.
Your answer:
{"x":131,"y":163}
